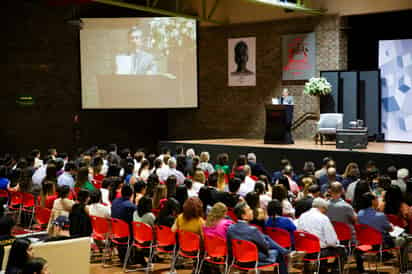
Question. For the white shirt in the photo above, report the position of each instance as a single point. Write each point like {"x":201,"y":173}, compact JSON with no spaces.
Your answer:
{"x":287,"y":208}
{"x":163,"y":173}
{"x":37,"y":163}
{"x":207,"y":167}
{"x":247,"y":186}
{"x":316,"y":223}
{"x":66,"y":179}
{"x":192,"y":192}
{"x":179,"y":175}
{"x":264,"y":200}
{"x":99,"y":210}
{"x":400,"y":183}
{"x":350,"y":192}
{"x":105,"y":195}
{"x":39,"y":175}
{"x":196,"y":186}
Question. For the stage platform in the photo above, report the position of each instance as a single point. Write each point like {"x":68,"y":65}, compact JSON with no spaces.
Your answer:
{"x":383,"y":153}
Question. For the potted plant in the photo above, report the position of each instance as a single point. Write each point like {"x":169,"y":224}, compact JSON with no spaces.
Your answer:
{"x":317,"y":87}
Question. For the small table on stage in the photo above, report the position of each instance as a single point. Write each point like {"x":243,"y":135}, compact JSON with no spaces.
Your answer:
{"x":278,"y":124}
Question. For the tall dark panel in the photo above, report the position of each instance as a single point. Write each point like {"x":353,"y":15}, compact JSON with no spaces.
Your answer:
{"x":349,"y":90}
{"x":329,"y":104}
{"x":370,"y":110}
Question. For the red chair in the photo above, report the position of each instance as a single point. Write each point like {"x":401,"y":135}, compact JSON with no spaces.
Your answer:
{"x":97,"y":180}
{"x":4,"y":193}
{"x":165,"y":237}
{"x":28,"y":205}
{"x":231,"y":214}
{"x":280,"y":236}
{"x":367,"y":237}
{"x":42,"y":216}
{"x":215,"y":251}
{"x":344,"y":233}
{"x":120,"y":230}
{"x":310,"y":244}
{"x":143,"y":237}
{"x":396,"y":220}
{"x":246,"y":252}
{"x":189,"y":246}
{"x":101,"y":232}
{"x":15,"y":204}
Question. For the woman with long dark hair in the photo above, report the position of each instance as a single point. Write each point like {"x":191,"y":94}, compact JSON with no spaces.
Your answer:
{"x":20,"y":253}
{"x":168,"y":213}
{"x":144,"y":213}
{"x":36,"y":266}
{"x":80,"y":225}
{"x":361,"y":188}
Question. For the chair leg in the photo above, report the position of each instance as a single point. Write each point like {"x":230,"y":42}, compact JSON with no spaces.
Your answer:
{"x":126,"y":257}
{"x":197,"y":262}
{"x":201,"y":264}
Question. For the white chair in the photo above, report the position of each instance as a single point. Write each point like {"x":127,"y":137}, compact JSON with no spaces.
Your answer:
{"x":328,"y":124}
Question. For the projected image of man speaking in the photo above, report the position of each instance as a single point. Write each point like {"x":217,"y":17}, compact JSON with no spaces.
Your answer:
{"x":139,"y":61}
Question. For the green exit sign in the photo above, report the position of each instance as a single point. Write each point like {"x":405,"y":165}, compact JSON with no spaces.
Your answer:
{"x":25,"y":100}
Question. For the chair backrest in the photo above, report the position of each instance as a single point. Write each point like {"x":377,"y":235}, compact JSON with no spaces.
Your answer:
{"x":142,"y":232}
{"x":279,"y":235}
{"x":396,"y":220}
{"x":215,"y":246}
{"x":4,"y":193}
{"x":16,"y":198}
{"x":101,"y":227}
{"x":120,"y":229}
{"x":165,"y":236}
{"x":188,"y":241}
{"x":306,"y":242}
{"x":244,"y":251}
{"x":42,"y":215}
{"x":28,"y":199}
{"x":330,"y":120}
{"x":367,"y":235}
{"x":231,"y":214}
{"x":343,"y":231}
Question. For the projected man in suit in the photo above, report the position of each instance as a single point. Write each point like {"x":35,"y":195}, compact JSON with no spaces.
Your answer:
{"x":241,"y":59}
{"x":141,"y":62}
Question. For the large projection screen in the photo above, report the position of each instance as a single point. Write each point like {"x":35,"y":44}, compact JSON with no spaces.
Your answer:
{"x":138,"y":63}
{"x":395,"y":63}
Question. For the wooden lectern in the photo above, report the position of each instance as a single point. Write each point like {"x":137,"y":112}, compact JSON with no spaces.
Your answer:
{"x":278,"y":124}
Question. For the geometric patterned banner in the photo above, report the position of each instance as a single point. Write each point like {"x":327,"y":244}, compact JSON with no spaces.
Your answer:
{"x":395,"y":63}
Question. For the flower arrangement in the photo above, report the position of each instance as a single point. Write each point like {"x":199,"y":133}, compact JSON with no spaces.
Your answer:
{"x":170,"y":33}
{"x":317,"y":87}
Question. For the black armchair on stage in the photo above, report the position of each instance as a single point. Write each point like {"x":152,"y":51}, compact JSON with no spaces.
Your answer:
{"x":279,"y":124}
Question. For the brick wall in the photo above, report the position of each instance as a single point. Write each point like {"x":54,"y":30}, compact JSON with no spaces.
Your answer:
{"x":239,"y":111}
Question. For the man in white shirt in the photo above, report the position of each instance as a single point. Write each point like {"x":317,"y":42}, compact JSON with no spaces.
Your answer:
{"x":66,"y":179}
{"x":403,"y":175}
{"x":317,"y":223}
{"x":180,"y":178}
{"x":248,"y":184}
{"x":39,"y":175}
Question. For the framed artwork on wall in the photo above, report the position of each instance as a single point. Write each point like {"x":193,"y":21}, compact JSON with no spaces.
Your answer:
{"x":242,"y":61}
{"x":298,"y":56}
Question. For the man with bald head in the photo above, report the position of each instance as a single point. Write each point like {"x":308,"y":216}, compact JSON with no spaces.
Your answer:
{"x":339,"y":210}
